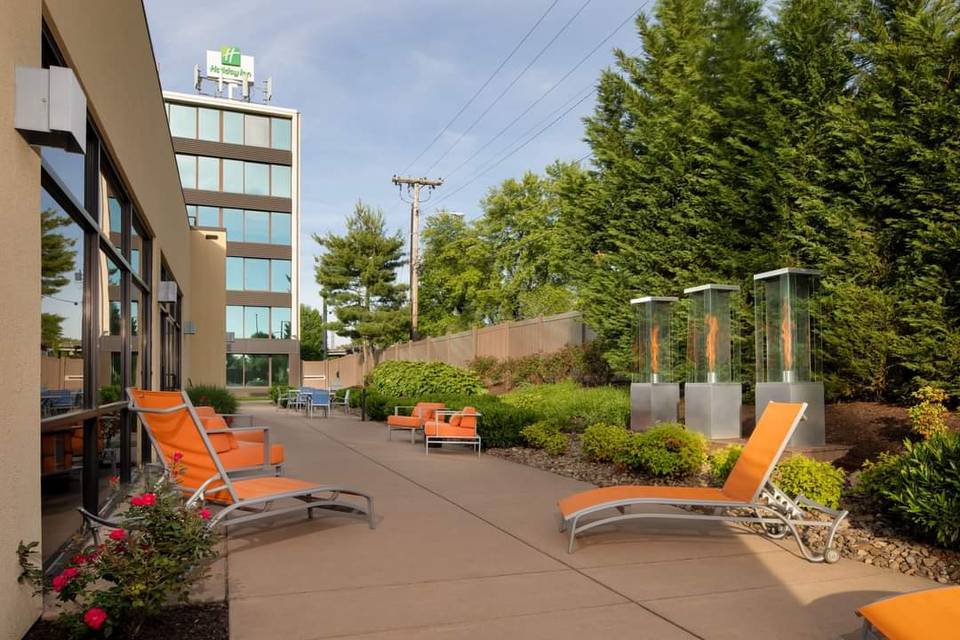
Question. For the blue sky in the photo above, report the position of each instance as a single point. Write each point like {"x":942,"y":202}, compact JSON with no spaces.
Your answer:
{"x":376,"y":80}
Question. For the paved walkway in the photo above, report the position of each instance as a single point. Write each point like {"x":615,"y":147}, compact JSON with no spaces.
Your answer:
{"x":469,"y":548}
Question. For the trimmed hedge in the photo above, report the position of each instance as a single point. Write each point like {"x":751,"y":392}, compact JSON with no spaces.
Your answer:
{"x":573,"y":406}
{"x":546,"y":436}
{"x":207,"y":395}
{"x":601,"y":442}
{"x":402,"y":378}
{"x":665,"y":450}
{"x":820,"y":481}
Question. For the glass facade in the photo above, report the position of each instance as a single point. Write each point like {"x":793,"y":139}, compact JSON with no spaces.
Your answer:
{"x":258,"y":274}
{"x":232,"y":127}
{"x":256,"y":322}
{"x":256,"y":227}
{"x":257,"y":370}
{"x":280,"y":129}
{"x":265,"y":227}
{"x":208,"y":173}
{"x":233,"y":176}
{"x":187,"y":165}
{"x":280,"y":181}
{"x":259,"y":322}
{"x":183,"y":121}
{"x":256,"y":179}
{"x":204,"y":123}
{"x":209,"y":124}
{"x":280,"y":276}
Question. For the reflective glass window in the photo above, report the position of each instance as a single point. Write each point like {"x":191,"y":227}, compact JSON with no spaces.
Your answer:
{"x":256,"y":130}
{"x":235,"y":273}
{"x":233,"y":127}
{"x":256,"y":274}
{"x":208,"y":216}
{"x":233,"y":176}
{"x":256,"y":322}
{"x":256,"y":228}
{"x":68,"y":166}
{"x":280,"y":275}
{"x":256,"y":370}
{"x":235,"y":320}
{"x":188,"y":171}
{"x":114,"y":213}
{"x":280,"y":181}
{"x":233,"y":223}
{"x":235,"y":369}
{"x":256,"y":180}
{"x":280,"y":369}
{"x":183,"y":121}
{"x":192,"y":214}
{"x":280,"y":323}
{"x":208,"y":173}
{"x":280,"y":138}
{"x":280,"y":228}
{"x":209,"y":124}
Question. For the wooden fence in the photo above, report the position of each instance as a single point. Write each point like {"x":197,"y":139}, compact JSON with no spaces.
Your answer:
{"x":543,"y":334}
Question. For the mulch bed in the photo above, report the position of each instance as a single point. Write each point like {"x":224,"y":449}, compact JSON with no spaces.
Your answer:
{"x":193,"y":622}
{"x":864,"y":536}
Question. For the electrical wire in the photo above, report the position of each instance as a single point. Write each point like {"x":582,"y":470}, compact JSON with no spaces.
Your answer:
{"x":483,"y":86}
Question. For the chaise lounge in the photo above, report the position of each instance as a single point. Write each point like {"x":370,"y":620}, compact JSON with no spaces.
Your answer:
{"x":933,"y":613}
{"x":748,"y":490}
{"x":240,"y":449}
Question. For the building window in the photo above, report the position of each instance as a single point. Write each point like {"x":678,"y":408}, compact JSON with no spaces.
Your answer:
{"x":235,"y":320}
{"x":280,"y":133}
{"x":280,"y":275}
{"x":280,"y":369}
{"x":280,"y":323}
{"x":208,"y":173}
{"x":280,"y":228}
{"x":256,"y":322}
{"x":233,"y":127}
{"x":280,"y":181}
{"x":256,"y":131}
{"x":235,"y":273}
{"x":188,"y":170}
{"x":233,"y":176}
{"x":256,"y":179}
{"x":192,"y":215}
{"x":183,"y":121}
{"x":233,"y":223}
{"x":208,"y":216}
{"x":259,"y":322}
{"x":235,"y":369}
{"x":256,"y":226}
{"x":257,"y":370}
{"x":209,"y":121}
{"x":256,"y":274}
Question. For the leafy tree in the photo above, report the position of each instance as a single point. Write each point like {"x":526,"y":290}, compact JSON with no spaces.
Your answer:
{"x":357,"y":274}
{"x":311,"y":333}
{"x":57,"y":257}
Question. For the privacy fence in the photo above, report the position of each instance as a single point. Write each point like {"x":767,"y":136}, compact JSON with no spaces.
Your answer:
{"x":543,"y":334}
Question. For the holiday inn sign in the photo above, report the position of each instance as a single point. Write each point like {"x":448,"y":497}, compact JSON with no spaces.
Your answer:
{"x":229,"y":64}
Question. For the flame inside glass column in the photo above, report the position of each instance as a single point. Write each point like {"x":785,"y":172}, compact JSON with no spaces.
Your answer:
{"x":655,"y":352}
{"x":713,"y":329}
{"x":786,"y":339}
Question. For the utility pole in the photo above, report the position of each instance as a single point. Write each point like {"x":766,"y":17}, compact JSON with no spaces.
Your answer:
{"x":413,"y":187}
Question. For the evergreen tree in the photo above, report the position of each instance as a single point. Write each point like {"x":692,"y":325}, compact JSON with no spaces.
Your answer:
{"x":311,"y":334}
{"x":57,"y":257}
{"x":357,"y":274}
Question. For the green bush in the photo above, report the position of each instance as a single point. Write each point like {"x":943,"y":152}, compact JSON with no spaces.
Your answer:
{"x":820,"y":481}
{"x":574,"y":406}
{"x":546,"y":436}
{"x":278,"y":391}
{"x":584,"y":365}
{"x":400,"y":378}
{"x":929,"y":416}
{"x":664,"y":450}
{"x":219,"y":398}
{"x":721,"y":463}
{"x":602,"y":442}
{"x":920,"y":487}
{"x":109,"y":393}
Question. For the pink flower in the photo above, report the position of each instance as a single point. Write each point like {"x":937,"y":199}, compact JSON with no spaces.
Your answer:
{"x":118,"y":535}
{"x":177,"y":456}
{"x":204,"y":513}
{"x":144,"y":500}
{"x":80,"y":559}
{"x":65,"y":578}
{"x":95,"y":617}
{"x":114,"y":481}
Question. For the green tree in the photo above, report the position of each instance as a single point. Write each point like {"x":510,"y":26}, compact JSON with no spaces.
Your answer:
{"x":311,"y":333}
{"x":57,"y":257}
{"x":357,"y":274}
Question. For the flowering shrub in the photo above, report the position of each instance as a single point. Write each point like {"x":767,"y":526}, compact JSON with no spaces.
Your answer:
{"x":928,"y":416}
{"x":159,"y":550}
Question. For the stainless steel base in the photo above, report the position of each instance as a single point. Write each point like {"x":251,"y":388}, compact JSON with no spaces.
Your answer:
{"x":810,"y":432}
{"x":713,"y":409}
{"x":651,"y":403}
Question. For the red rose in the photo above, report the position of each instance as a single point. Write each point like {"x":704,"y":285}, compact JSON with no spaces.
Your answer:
{"x":114,"y":481}
{"x":80,"y":559}
{"x":204,"y":513}
{"x":65,"y":577}
{"x":144,"y":500}
{"x":177,"y":456}
{"x":118,"y":535}
{"x":95,"y":617}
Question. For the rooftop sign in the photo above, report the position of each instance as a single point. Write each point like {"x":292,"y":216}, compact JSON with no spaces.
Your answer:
{"x":229,"y":64}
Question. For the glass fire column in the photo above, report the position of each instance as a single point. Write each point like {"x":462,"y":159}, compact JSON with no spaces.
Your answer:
{"x":787,"y":347}
{"x":653,"y":395}
{"x":713,"y":392}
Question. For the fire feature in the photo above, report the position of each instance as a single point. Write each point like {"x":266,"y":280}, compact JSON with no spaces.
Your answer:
{"x":653,"y":395}
{"x":713,"y":328}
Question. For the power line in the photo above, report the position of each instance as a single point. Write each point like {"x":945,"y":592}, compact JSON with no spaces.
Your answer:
{"x":483,"y":86}
{"x":546,"y":93}
{"x":510,"y":86}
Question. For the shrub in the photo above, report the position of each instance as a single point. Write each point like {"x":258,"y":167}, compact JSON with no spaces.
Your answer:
{"x":278,"y":391}
{"x":820,"y":481}
{"x":109,"y":393}
{"x":399,"y":378}
{"x":546,"y":436}
{"x":219,"y":398}
{"x":602,"y":442}
{"x":928,"y":416}
{"x":721,"y":463}
{"x":161,"y":550}
{"x":574,"y":406}
{"x":920,"y":487}
{"x":584,"y":365}
{"x":666,"y":449}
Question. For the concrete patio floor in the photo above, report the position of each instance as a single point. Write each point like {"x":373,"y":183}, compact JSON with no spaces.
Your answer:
{"x":469,"y":548}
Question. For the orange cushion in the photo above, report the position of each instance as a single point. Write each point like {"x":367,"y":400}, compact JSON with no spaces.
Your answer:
{"x":248,"y":436}
{"x":222,"y":442}
{"x":260,"y":487}
{"x":250,"y":454}
{"x":595,"y":497}
{"x":205,"y":411}
{"x":404,"y":422}
{"x":457,"y":432}
{"x":934,"y":613}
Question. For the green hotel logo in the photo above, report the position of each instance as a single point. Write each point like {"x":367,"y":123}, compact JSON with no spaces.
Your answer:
{"x":230,"y":56}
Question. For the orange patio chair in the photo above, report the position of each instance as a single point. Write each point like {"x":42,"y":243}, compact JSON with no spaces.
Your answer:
{"x":461,"y":428}
{"x":748,"y":488}
{"x":420,"y":413}
{"x":173,"y":426}
{"x":240,"y":449}
{"x":933,"y":613}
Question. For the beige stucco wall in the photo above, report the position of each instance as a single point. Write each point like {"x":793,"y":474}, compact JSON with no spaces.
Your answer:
{"x":19,"y":317}
{"x":207,"y":348}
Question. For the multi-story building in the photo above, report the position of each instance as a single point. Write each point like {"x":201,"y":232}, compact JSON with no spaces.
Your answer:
{"x":240,"y":170}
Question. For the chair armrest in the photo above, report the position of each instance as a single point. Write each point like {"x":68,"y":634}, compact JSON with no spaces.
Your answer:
{"x":396,"y":409}
{"x":266,"y":438}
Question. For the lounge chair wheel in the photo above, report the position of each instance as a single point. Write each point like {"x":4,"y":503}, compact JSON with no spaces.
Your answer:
{"x":831,"y":555}
{"x":775,"y":531}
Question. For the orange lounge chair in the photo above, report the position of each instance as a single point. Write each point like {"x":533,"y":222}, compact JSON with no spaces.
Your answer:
{"x":934,"y":613}
{"x":460,"y":429}
{"x":173,"y":426}
{"x":239,"y":449}
{"x":420,"y":413}
{"x":748,"y":488}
